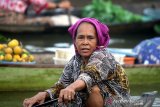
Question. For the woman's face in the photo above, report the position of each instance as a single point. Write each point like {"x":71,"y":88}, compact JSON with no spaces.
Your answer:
{"x":86,"y":39}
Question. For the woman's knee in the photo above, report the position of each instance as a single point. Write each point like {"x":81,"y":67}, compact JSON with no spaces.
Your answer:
{"x":95,"y":89}
{"x":95,"y":98}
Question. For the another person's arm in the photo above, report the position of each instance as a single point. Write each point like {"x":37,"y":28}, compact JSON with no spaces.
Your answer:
{"x":40,"y":5}
{"x":64,"y":4}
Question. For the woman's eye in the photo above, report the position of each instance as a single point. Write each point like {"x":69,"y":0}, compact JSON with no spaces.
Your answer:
{"x":90,"y":37}
{"x":80,"y":37}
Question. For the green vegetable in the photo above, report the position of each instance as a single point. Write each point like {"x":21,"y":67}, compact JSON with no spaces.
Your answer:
{"x":107,"y":12}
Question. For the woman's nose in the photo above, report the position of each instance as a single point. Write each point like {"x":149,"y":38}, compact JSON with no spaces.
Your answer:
{"x":85,"y":41}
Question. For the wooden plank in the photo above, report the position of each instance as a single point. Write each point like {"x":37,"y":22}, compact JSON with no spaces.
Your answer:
{"x":32,"y":65}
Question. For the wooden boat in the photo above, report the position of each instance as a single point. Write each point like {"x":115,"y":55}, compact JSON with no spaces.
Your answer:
{"x":145,"y":100}
{"x":125,"y":28}
{"x":133,"y":28}
{"x":117,"y":29}
{"x":12,"y":28}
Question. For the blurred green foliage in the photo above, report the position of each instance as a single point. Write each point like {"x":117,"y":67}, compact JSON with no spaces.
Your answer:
{"x":107,"y":12}
{"x":157,"y":28}
{"x":3,"y":39}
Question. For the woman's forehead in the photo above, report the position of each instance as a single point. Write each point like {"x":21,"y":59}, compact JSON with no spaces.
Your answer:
{"x":86,"y":26}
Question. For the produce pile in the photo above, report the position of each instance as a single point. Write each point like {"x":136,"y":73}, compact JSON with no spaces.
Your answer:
{"x":110,"y":13}
{"x":13,"y":51}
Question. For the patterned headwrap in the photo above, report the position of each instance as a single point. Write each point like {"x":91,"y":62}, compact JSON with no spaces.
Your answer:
{"x":101,"y":29}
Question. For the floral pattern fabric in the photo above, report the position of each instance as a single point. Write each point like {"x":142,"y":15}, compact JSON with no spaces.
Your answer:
{"x":148,"y":51}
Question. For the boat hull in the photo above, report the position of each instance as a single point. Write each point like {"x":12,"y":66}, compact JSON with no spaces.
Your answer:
{"x":128,"y":28}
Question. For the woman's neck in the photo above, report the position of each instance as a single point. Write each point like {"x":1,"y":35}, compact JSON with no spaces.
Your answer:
{"x":85,"y":60}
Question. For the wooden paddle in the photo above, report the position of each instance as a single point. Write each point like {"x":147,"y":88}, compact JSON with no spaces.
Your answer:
{"x":46,"y":103}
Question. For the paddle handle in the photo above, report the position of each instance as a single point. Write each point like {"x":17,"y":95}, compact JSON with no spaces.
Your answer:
{"x":69,"y":17}
{"x":46,"y":103}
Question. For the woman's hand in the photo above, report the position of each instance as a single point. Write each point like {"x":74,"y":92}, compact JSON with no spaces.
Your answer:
{"x":38,"y":98}
{"x":66,"y":95}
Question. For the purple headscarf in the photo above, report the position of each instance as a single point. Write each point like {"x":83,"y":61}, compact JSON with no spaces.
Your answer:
{"x":102,"y":31}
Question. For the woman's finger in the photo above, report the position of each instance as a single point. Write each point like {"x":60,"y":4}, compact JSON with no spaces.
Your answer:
{"x":29,"y":102}
{"x":60,"y":98}
{"x":72,"y":96}
{"x":69,"y":97}
{"x":41,"y":102}
{"x":25,"y":103}
{"x":66,"y":97}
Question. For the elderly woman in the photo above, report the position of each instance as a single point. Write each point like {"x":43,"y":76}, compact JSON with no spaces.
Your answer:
{"x":92,"y":78}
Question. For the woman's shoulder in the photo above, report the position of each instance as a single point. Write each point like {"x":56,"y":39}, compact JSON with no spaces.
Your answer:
{"x":103,"y":58}
{"x":103,"y":55}
{"x":74,"y":59}
{"x":103,"y":52}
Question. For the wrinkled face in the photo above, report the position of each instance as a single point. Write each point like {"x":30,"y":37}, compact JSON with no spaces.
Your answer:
{"x":86,"y":39}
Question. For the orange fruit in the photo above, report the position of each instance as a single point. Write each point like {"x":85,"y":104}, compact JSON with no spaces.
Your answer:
{"x":17,"y":57}
{"x":8,"y":57}
{"x":13,"y":43}
{"x":24,"y":57}
{"x":17,"y":50}
{"x":1,"y":46}
{"x":8,"y":50}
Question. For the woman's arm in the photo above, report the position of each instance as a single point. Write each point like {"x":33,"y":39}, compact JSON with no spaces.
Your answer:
{"x":51,"y":5}
{"x":64,"y":5}
{"x":77,"y":85}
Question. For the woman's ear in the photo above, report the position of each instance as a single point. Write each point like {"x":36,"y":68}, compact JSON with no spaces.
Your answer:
{"x":75,"y":48}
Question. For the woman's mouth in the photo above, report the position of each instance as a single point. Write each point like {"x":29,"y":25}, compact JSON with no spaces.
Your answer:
{"x":84,"y":49}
